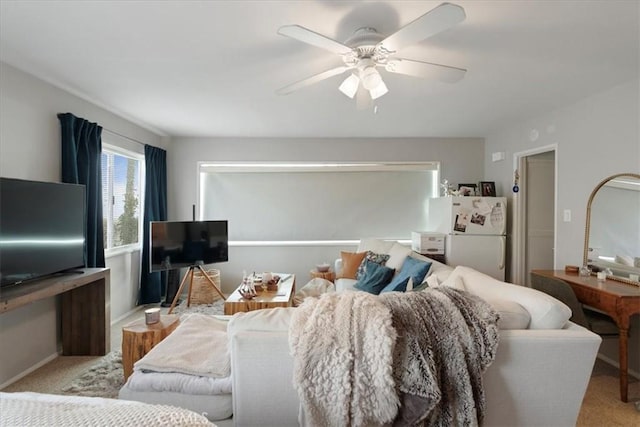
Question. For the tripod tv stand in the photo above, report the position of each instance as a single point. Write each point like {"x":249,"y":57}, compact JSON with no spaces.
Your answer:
{"x":189,"y":274}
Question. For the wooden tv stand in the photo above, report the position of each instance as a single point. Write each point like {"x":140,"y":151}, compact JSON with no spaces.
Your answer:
{"x":85,"y":307}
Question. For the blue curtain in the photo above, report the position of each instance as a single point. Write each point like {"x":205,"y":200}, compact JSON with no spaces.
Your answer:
{"x":81,"y":150}
{"x":152,"y":285}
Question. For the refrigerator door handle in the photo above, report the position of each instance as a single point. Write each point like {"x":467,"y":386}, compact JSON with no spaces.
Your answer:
{"x":503,"y":244}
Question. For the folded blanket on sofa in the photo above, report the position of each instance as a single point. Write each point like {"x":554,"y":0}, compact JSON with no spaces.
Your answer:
{"x":198,"y":346}
{"x":359,"y":357}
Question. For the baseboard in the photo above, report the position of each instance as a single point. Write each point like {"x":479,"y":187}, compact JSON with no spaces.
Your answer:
{"x":28,"y":371}
{"x":616,"y":365}
{"x":127,"y":314}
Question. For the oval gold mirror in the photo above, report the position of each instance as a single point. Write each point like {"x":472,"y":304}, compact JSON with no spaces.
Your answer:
{"x":612,"y":232}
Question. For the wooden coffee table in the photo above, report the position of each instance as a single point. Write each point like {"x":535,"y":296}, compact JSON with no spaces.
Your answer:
{"x":283,"y":297}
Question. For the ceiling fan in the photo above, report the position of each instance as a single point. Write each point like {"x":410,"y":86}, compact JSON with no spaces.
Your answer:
{"x":367,"y":50}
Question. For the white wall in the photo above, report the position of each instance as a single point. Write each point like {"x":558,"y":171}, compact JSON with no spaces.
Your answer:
{"x":596,"y":137}
{"x":459,"y":159}
{"x":30,"y":149}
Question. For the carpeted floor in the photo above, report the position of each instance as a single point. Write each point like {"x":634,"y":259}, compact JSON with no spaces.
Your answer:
{"x":103,"y":379}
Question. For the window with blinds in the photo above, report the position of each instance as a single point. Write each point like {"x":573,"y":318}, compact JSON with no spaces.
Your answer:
{"x":317,"y":202}
{"x":121,"y":198}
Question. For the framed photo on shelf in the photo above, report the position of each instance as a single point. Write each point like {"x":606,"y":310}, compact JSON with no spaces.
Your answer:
{"x":488,"y":189}
{"x":467,"y":189}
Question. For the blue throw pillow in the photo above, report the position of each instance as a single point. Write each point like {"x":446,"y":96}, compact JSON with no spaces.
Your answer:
{"x":398,"y":284}
{"x":411,"y":269}
{"x":416,"y":268}
{"x":374,"y":277}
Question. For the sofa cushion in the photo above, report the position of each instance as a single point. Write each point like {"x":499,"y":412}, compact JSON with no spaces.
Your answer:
{"x":271,"y":319}
{"x":397,"y":255}
{"x":343,"y":284}
{"x":546,"y":312}
{"x":374,"y":277}
{"x":373,"y":257}
{"x":512,"y":314}
{"x":350,"y":263}
{"x":438,"y":269}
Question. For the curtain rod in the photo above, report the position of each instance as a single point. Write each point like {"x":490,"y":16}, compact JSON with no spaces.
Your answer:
{"x":124,"y":136}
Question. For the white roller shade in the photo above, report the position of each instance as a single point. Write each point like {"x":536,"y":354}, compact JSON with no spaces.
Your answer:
{"x":318,"y":203}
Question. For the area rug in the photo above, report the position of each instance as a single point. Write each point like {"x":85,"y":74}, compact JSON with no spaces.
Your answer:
{"x":103,"y":379}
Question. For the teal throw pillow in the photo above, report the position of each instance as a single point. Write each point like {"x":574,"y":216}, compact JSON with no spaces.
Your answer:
{"x":374,"y":278}
{"x":398,"y":284}
{"x":416,"y":269}
{"x":374,"y":257}
{"x":411,"y":269}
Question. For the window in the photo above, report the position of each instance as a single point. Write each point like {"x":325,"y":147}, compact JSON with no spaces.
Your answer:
{"x":313,"y":202}
{"x":121,"y":197}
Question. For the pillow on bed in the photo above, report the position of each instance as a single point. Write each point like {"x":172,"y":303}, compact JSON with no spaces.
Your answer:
{"x":350,"y":263}
{"x":374,"y":278}
{"x":373,"y":257}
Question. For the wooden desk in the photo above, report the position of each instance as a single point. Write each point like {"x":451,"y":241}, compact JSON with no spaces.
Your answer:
{"x":85,"y":307}
{"x":618,"y":300}
{"x":283,"y":297}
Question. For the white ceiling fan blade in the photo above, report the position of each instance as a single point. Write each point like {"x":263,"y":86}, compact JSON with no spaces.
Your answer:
{"x":311,"y":80}
{"x":425,"y":70}
{"x":311,"y":37}
{"x":436,"y":20}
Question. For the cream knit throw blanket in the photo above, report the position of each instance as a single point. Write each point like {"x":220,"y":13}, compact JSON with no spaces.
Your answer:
{"x":351,"y":368}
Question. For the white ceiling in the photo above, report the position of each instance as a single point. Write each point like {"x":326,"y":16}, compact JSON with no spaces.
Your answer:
{"x":211,"y":68}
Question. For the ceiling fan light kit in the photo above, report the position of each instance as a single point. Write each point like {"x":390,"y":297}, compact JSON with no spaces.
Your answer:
{"x":367,"y":50}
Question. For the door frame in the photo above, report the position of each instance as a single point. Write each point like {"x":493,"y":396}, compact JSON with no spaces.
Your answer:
{"x":520,"y":211}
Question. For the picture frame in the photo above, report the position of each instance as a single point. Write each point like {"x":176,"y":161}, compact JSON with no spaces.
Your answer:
{"x":487,"y":189}
{"x":468,"y":189}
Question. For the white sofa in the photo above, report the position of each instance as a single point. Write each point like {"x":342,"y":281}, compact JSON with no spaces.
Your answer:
{"x":538,"y":378}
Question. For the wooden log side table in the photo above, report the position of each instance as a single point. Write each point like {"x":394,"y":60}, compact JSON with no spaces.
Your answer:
{"x":138,"y":339}
{"x":328,"y":275}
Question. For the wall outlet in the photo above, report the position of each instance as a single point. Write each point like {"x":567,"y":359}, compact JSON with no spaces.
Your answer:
{"x":567,"y":215}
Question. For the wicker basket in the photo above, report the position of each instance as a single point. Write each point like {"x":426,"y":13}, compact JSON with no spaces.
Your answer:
{"x":201,"y":290}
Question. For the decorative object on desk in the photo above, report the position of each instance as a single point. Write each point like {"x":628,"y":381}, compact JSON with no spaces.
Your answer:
{"x":247,"y":288}
{"x":151,"y":316}
{"x":272,"y":283}
{"x":323,"y":268}
{"x":487,"y":189}
{"x":467,"y":189}
{"x":585,"y":271}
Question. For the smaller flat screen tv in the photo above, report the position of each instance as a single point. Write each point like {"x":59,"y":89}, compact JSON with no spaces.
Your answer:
{"x":180,"y":244}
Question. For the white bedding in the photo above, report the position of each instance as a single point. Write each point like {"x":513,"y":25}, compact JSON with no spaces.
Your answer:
{"x":37,"y":409}
{"x":198,"y":346}
{"x":179,"y":383}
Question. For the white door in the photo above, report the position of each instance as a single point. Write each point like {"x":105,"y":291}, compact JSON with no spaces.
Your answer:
{"x":540,"y":196}
{"x":483,"y":253}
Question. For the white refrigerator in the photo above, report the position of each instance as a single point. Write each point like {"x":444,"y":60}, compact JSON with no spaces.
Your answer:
{"x":474,"y":229}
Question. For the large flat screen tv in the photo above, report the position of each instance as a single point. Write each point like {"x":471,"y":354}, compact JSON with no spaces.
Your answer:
{"x":41,"y":229}
{"x":178,"y":244}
